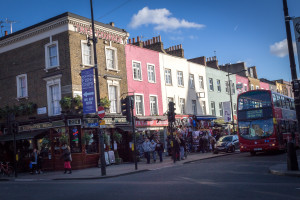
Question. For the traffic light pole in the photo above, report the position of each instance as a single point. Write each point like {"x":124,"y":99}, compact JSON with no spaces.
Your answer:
{"x":171,"y":120}
{"x":292,"y":163}
{"x":102,"y":158}
{"x":133,"y":130}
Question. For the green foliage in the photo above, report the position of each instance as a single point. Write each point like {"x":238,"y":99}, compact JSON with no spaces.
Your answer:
{"x":105,"y":102}
{"x":46,"y":142}
{"x":64,"y":139}
{"x":105,"y":139}
{"x":86,"y":138}
{"x":23,"y":109}
{"x":76,"y":102}
{"x":66,"y":103}
{"x":117,"y":137}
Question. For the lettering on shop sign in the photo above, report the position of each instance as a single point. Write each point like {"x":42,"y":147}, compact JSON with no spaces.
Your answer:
{"x":91,"y":122}
{"x":35,"y":126}
{"x":99,"y":34}
{"x":151,"y":123}
{"x":115,"y":121}
{"x":72,"y":122}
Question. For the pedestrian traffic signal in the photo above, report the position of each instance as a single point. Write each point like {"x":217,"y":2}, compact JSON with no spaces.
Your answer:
{"x":171,"y":113}
{"x":126,"y":108}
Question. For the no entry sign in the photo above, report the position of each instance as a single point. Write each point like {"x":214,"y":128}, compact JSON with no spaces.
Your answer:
{"x":101,"y":112}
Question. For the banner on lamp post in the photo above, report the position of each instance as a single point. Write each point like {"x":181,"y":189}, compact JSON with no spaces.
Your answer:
{"x":296,"y":23}
{"x":227,"y":111}
{"x":88,"y":91}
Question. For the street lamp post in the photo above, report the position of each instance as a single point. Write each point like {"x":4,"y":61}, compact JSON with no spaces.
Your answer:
{"x":103,"y":164}
{"x":228,"y":74}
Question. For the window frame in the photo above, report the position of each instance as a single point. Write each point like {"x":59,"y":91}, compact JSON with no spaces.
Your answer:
{"x":47,"y":55}
{"x":211,"y":84}
{"x":154,"y":73}
{"x":51,"y":81}
{"x":166,"y":69}
{"x":142,"y":103}
{"x":192,"y":81}
{"x":213,"y":108}
{"x":115,"y":58}
{"x":182,"y":80}
{"x":194,"y":107}
{"x":19,"y":96}
{"x":221,"y":110}
{"x":182,"y":105}
{"x":133,"y":68}
{"x":201,"y":82}
{"x":219,"y":89}
{"x":85,"y":42}
{"x":156,"y":105}
{"x":116,"y":83}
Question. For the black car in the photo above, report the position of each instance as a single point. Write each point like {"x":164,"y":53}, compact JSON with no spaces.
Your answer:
{"x":228,"y":143}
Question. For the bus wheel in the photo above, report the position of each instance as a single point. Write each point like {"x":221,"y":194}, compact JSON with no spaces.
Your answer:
{"x":252,"y":153}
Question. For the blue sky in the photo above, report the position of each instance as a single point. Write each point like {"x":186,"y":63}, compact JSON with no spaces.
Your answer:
{"x":252,"y":31}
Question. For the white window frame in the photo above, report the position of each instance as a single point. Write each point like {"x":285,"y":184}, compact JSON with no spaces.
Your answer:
{"x":115,"y":58}
{"x":113,"y":108}
{"x":182,"y":105}
{"x":142,"y":102}
{"x":181,"y":82}
{"x":213,"y":108}
{"x":47,"y":55}
{"x":219,"y":85}
{"x":257,"y":87}
{"x":245,"y":87}
{"x":201,"y":82}
{"x":149,"y":71}
{"x":19,"y":89}
{"x":84,"y":42}
{"x":221,"y":110}
{"x":251,"y":87}
{"x":194,"y":107}
{"x":169,"y":75}
{"x":54,"y":80}
{"x":192,"y":81}
{"x":226,"y":87}
{"x":156,"y":105}
{"x":141,"y":73}
{"x":211,"y":84}
{"x":203,"y":106}
{"x":114,"y":82}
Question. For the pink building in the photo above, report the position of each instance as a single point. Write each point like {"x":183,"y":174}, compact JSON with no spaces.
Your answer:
{"x":264,"y":86}
{"x":242,"y":84}
{"x":143,"y":78}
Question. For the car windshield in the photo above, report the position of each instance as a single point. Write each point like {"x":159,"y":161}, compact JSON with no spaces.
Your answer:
{"x":256,"y":129}
{"x":226,"y":139}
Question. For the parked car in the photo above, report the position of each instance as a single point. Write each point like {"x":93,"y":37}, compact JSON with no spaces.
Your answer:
{"x":228,"y":143}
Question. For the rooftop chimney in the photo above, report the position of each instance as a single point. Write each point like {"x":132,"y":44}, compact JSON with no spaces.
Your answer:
{"x":112,"y":24}
{"x":6,"y":33}
{"x":175,"y":51}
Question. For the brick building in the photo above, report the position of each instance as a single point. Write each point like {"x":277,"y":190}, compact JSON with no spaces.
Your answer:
{"x":40,"y":65}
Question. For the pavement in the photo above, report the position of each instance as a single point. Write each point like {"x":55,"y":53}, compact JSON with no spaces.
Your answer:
{"x":129,"y":168}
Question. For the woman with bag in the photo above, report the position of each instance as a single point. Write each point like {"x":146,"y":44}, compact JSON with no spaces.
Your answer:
{"x":67,"y":158}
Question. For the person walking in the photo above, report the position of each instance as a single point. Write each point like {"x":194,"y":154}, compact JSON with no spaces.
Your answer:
{"x":153,"y":147}
{"x":147,"y":148}
{"x":39,"y":162}
{"x":177,"y":148}
{"x":160,"y":149}
{"x":67,"y":160}
{"x":182,"y":147}
{"x":33,"y":162}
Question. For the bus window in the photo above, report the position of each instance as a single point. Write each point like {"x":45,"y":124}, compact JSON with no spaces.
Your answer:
{"x":241,"y":104}
{"x":279,"y":101}
{"x":274,"y":100}
{"x":292,"y":105}
{"x":282,"y":102}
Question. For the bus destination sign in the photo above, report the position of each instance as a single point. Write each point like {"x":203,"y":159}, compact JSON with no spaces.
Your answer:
{"x":252,"y":114}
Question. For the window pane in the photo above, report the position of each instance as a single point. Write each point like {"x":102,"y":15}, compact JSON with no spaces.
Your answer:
{"x":113,"y":98}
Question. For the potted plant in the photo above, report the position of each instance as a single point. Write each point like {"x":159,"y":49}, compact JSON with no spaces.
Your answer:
{"x":86,"y":138}
{"x":105,"y":102}
{"x":66,"y":103}
{"x":46,"y":142}
{"x":76,"y":102}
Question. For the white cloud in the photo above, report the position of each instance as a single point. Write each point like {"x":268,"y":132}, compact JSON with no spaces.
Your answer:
{"x":161,"y":19}
{"x":280,"y":49}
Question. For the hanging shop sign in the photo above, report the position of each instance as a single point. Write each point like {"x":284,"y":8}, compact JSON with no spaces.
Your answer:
{"x":90,"y":123}
{"x":32,"y":127}
{"x":73,"y":122}
{"x":88,"y":91}
{"x":116,"y":121}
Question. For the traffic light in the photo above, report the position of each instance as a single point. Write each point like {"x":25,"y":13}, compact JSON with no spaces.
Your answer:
{"x":126,"y":108}
{"x":171,"y":113}
{"x":14,"y":127}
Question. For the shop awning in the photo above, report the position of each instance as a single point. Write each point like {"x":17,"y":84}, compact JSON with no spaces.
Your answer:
{"x":23,"y":135}
{"x":125,"y":128}
{"x":206,"y":117}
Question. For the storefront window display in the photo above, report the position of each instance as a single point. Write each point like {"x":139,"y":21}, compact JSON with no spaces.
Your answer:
{"x":57,"y":132}
{"x":91,"y":141}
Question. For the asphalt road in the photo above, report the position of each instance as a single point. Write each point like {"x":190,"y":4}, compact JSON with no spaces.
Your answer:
{"x":237,"y":176}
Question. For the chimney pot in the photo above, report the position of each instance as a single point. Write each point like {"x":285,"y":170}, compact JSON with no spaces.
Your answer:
{"x":112,"y":24}
{"x":159,"y":38}
{"x":133,"y":40}
{"x":138,"y":39}
{"x":6,"y":33}
{"x":129,"y":41}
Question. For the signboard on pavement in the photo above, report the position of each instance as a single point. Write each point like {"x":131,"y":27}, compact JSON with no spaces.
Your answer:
{"x":227,"y":111}
{"x":88,"y":91}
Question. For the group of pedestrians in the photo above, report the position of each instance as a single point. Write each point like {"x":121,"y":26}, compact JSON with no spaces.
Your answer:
{"x":150,"y":147}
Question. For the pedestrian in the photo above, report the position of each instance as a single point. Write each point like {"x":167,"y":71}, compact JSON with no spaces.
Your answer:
{"x":177,"y":148}
{"x":182,"y":147}
{"x":39,"y":162}
{"x":33,"y":162}
{"x":147,"y":148}
{"x":159,"y":149}
{"x":153,"y":147}
{"x":67,"y":160}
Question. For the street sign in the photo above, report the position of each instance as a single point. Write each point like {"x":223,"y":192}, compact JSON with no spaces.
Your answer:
{"x":101,"y":112}
{"x":227,"y":111}
{"x":88,"y":91}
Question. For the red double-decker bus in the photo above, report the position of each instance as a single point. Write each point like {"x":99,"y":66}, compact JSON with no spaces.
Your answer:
{"x":266,"y":121}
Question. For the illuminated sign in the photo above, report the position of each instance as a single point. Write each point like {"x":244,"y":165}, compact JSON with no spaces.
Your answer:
{"x":251,"y":114}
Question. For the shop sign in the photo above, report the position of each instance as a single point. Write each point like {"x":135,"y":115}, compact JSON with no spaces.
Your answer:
{"x":116,"y":121}
{"x":91,"y":123}
{"x":35,"y":127}
{"x":99,"y":34}
{"x":88,"y":91}
{"x":59,"y":123}
{"x":42,"y":110}
{"x":150,"y":129}
{"x":227,"y":111}
{"x":151,"y":123}
{"x":73,"y":122}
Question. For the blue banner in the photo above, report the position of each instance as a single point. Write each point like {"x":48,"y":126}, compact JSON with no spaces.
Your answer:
{"x":88,"y":91}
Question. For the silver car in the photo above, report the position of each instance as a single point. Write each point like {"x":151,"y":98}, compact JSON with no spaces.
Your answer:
{"x":228,"y":143}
